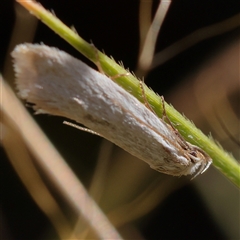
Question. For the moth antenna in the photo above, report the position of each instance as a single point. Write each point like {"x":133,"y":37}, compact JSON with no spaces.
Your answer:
{"x":81,"y":128}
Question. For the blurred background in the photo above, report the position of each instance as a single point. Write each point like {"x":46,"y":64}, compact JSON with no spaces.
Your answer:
{"x":202,"y":82}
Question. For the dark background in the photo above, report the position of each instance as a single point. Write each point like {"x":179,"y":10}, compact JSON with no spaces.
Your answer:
{"x":113,"y":27}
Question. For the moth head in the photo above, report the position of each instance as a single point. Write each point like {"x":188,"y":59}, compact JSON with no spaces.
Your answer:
{"x":199,"y":159}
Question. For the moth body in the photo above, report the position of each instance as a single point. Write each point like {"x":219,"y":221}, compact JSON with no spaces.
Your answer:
{"x":61,"y":85}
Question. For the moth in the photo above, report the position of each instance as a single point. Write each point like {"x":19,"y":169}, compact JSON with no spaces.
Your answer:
{"x":58,"y":84}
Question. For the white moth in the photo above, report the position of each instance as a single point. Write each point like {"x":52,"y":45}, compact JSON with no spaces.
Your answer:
{"x":59,"y":84}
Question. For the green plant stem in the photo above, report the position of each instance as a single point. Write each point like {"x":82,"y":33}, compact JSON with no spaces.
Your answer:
{"x":223,"y":161}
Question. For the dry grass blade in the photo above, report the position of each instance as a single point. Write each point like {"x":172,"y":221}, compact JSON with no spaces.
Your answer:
{"x":54,"y":167}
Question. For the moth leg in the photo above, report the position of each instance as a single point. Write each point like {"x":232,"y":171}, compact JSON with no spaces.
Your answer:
{"x":164,"y":113}
{"x":98,"y":64}
{"x":119,"y":75}
{"x":146,"y":103}
{"x":181,"y":140}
